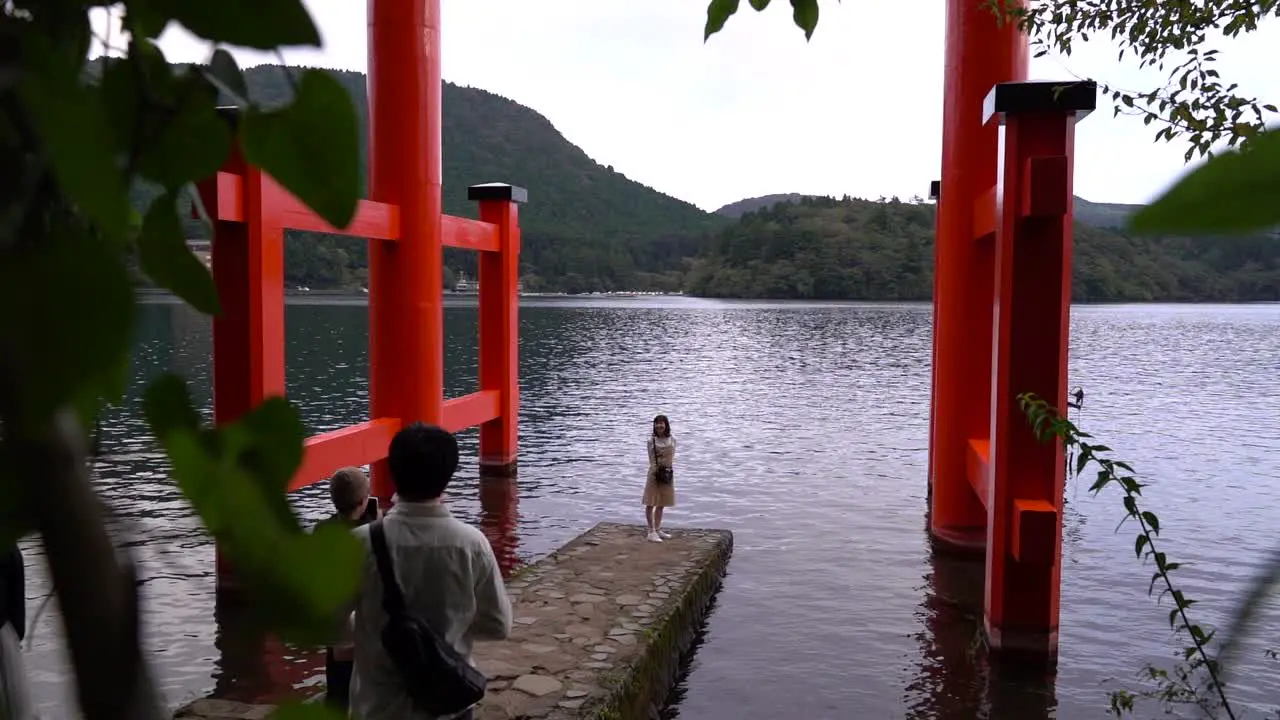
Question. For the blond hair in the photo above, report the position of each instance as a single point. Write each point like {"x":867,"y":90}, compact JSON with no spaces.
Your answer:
{"x":348,"y":489}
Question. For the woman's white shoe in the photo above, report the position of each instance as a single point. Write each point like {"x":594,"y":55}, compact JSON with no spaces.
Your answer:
{"x":654,"y":537}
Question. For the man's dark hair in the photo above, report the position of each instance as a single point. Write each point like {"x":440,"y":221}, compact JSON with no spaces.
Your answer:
{"x":422,"y":459}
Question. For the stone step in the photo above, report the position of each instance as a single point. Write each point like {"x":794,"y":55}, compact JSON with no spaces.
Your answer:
{"x":600,"y":626}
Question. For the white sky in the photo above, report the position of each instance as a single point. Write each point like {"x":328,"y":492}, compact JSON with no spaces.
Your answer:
{"x":756,"y":110}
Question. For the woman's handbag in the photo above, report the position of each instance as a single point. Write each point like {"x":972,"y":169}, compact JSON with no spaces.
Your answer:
{"x":664,"y":475}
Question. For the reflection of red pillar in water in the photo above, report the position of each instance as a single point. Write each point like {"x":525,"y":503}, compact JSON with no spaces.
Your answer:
{"x":240,"y":672}
{"x":955,"y":682}
{"x":948,"y":685}
{"x":253,"y":666}
{"x":289,"y":667}
{"x":499,"y":518}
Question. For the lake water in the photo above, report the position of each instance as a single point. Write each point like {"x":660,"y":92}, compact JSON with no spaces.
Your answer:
{"x":804,"y":429}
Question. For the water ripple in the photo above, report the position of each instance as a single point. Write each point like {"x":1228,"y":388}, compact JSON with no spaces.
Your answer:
{"x":804,"y":429}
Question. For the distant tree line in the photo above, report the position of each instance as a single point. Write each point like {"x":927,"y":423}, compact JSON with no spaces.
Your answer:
{"x":588,"y":228}
{"x":824,"y":248}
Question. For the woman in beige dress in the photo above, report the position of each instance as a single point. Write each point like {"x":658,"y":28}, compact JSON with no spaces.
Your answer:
{"x":659,"y":487}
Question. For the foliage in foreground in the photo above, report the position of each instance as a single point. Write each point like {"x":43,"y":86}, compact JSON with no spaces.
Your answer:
{"x":1198,"y":678}
{"x":72,"y":145}
{"x":1196,"y":104}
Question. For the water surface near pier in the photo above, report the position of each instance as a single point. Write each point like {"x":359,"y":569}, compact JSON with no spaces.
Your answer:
{"x":803,"y":427}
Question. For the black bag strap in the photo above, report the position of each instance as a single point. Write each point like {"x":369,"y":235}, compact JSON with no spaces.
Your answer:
{"x":392,"y":597}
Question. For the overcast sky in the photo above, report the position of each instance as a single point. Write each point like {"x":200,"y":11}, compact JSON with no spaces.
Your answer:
{"x":756,"y":110}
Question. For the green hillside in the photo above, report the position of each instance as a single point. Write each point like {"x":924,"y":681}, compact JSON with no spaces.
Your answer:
{"x":1103,"y":215}
{"x":737,"y":209}
{"x":586,"y":227}
{"x":856,"y":249}
{"x":589,"y":228}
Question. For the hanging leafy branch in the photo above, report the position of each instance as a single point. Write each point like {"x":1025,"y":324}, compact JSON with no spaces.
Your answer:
{"x":1197,"y":679}
{"x":72,"y":143}
{"x":1233,"y":193}
{"x":1196,"y":104}
{"x":803,"y":12}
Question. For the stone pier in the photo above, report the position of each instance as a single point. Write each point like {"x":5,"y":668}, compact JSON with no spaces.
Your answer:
{"x":600,"y":626}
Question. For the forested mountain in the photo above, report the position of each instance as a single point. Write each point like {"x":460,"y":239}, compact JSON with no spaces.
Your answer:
{"x":586,"y":227}
{"x":589,"y":228}
{"x":1103,"y":215}
{"x":856,"y":249}
{"x":736,"y":210}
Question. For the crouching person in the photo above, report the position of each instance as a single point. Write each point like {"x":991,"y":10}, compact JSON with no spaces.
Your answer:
{"x":353,"y":507}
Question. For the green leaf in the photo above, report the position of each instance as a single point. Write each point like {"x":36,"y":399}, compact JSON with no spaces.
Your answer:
{"x":718,"y":12}
{"x":311,"y":147}
{"x":277,"y":435}
{"x":225,"y":73}
{"x":1139,"y":544}
{"x":167,"y":406}
{"x":166,"y":259}
{"x":190,"y":142}
{"x":1152,"y":521}
{"x":759,"y":4}
{"x":805,"y":14}
{"x":325,"y":565}
{"x":71,"y":120}
{"x":1081,"y":461}
{"x":145,"y":19}
{"x":1234,"y":192}
{"x":66,"y":348}
{"x":305,"y":711}
{"x":121,"y":98}
{"x":231,"y":475}
{"x":257,"y":24}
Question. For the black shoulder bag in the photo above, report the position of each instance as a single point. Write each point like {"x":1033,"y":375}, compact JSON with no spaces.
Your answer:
{"x":436,"y":676}
{"x":663,"y":475}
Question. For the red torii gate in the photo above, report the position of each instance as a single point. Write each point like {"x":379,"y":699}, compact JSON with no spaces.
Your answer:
{"x":1001,"y":299}
{"x":407,"y":231}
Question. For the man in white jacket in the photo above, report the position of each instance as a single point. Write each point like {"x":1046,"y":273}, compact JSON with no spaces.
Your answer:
{"x":445,"y":567}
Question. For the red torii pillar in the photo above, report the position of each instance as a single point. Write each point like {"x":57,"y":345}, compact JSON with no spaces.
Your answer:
{"x":1001,"y":309}
{"x":406,"y":229}
{"x":406,"y":308}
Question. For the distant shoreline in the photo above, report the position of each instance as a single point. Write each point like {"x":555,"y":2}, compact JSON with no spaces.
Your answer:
{"x":164,"y":295}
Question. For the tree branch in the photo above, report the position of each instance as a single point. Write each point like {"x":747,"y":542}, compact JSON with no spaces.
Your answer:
{"x":96,"y":587}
